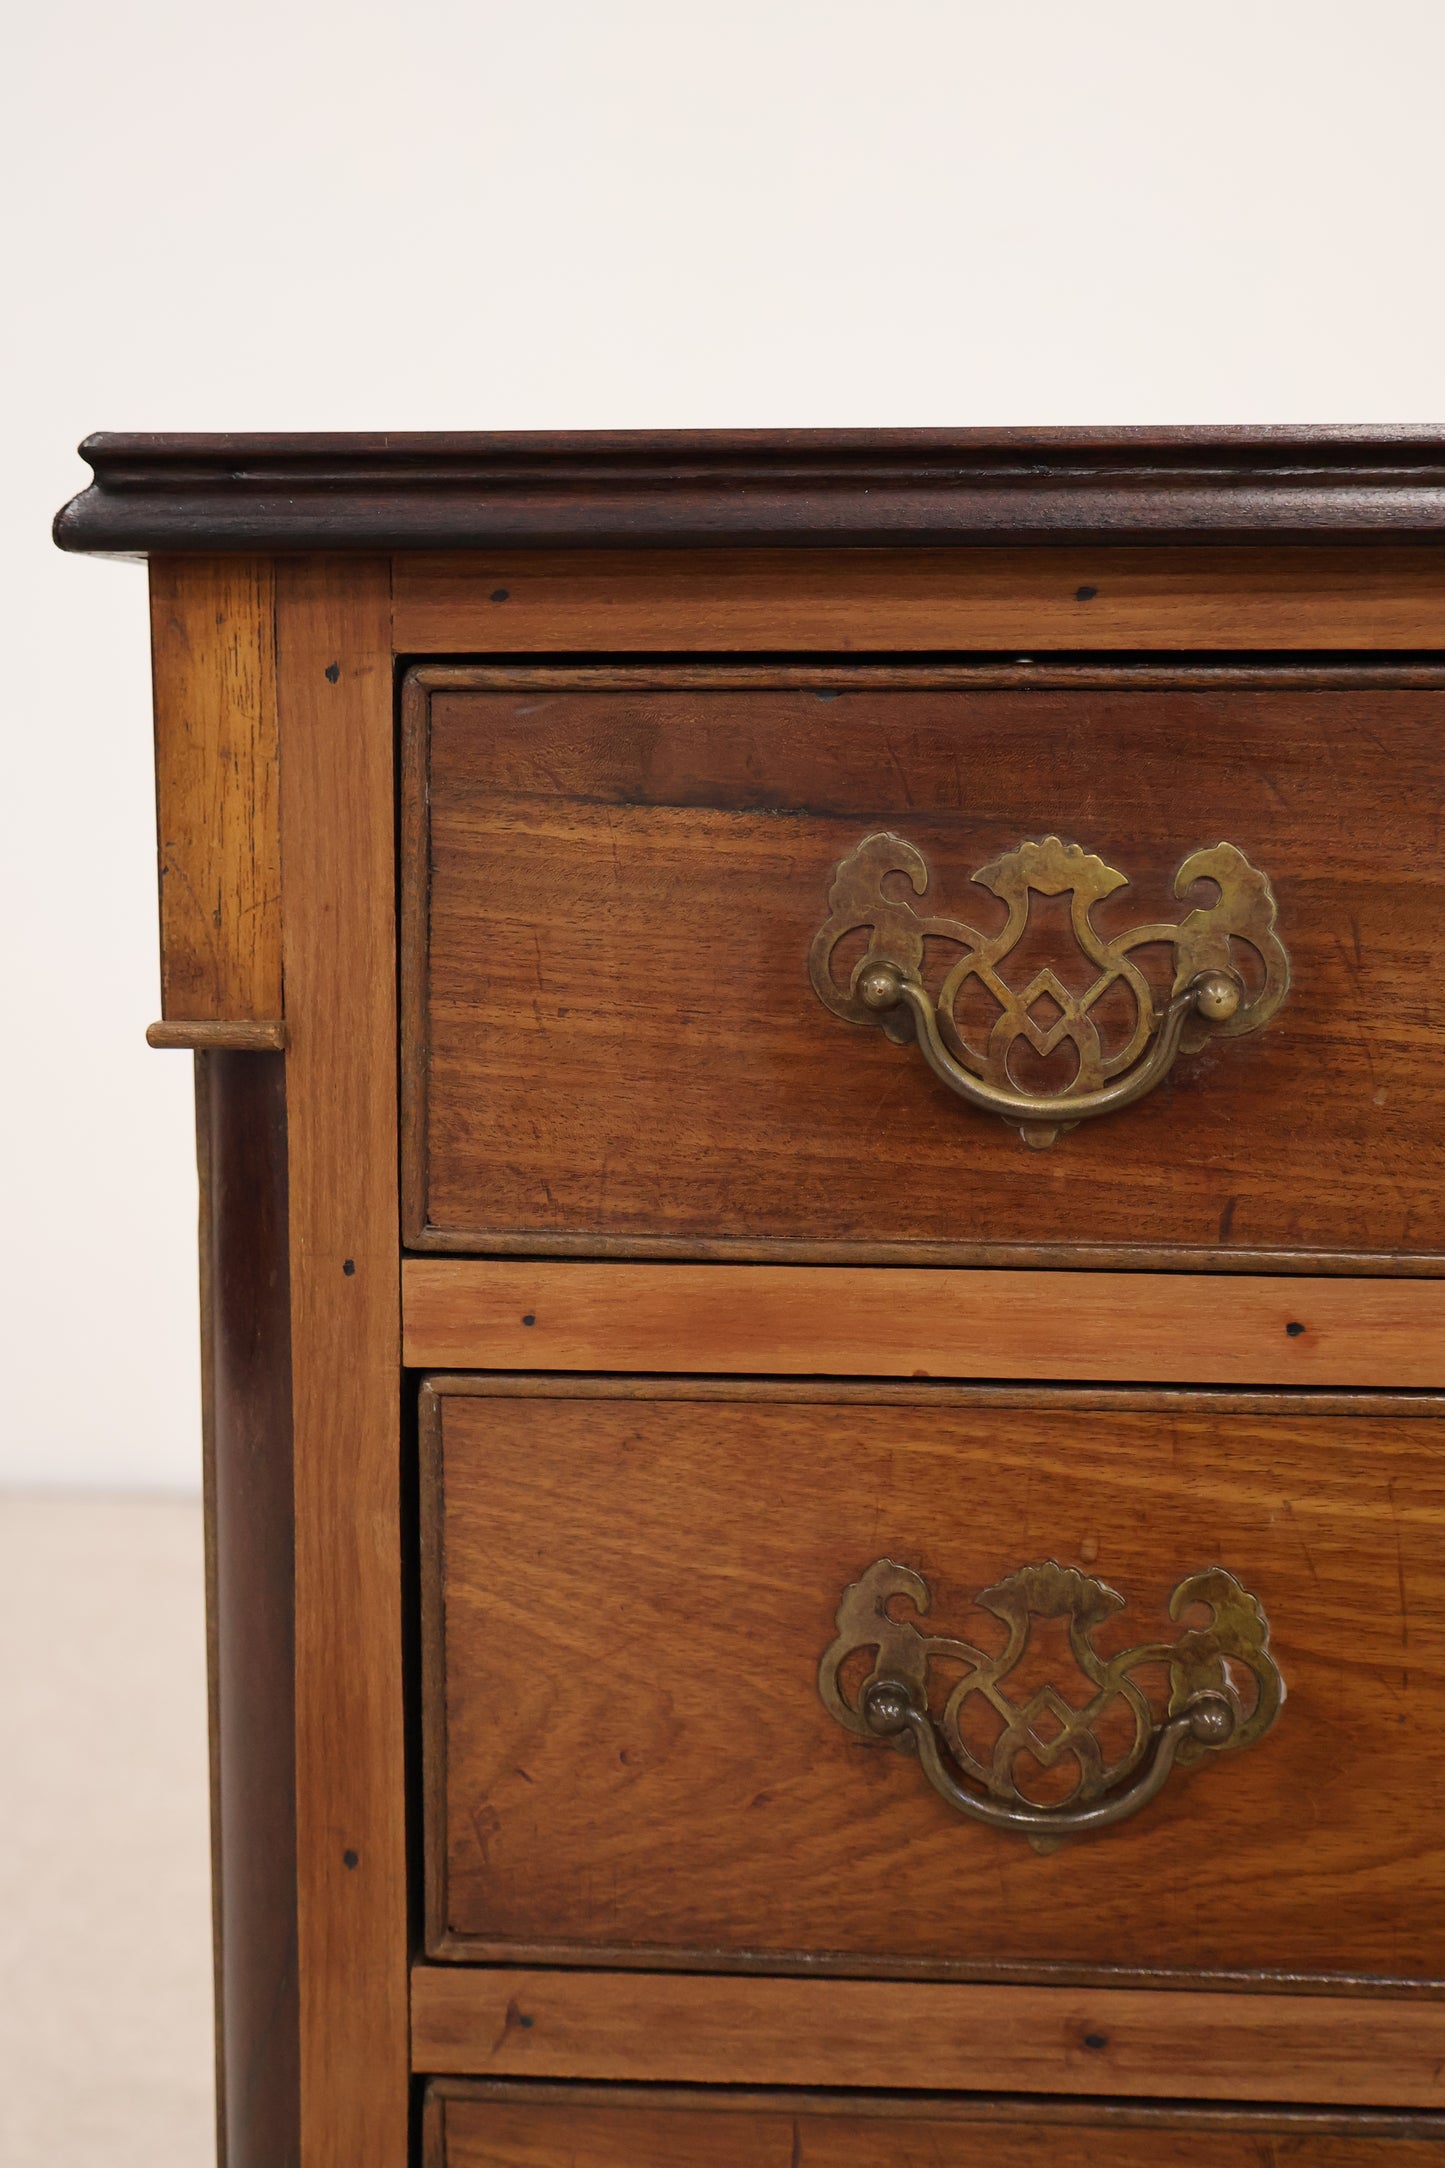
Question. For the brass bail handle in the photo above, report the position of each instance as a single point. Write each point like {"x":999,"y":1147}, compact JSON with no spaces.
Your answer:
{"x":1206,"y":1715}
{"x":1209,"y":997}
{"x":892,"y":1712}
{"x":1214,"y":996}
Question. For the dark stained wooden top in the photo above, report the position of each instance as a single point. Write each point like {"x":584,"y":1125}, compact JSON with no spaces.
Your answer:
{"x":859,"y":488}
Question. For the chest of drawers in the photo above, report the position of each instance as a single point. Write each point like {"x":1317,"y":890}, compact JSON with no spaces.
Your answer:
{"x":822,"y":1125}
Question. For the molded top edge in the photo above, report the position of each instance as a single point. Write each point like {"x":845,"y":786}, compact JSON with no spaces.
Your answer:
{"x":299,"y":491}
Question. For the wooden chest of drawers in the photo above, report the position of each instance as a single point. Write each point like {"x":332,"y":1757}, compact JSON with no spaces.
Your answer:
{"x":819,"y":1066}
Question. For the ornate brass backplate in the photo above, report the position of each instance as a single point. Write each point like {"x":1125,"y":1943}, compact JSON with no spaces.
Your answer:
{"x":1206,"y":1713}
{"x":1208,"y":1000}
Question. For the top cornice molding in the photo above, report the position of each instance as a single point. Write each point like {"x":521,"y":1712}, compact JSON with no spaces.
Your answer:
{"x":755,"y":488}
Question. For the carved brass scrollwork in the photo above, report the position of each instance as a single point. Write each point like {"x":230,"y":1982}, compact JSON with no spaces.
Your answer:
{"x":1205,"y":1714}
{"x":1208,"y":999}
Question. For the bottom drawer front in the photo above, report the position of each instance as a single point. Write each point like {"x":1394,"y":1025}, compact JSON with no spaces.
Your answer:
{"x":500,"y":2127}
{"x":629,"y":1591}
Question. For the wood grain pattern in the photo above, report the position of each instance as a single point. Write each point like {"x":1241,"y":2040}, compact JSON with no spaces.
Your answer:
{"x":846,"y":601}
{"x":437,"y":489}
{"x":246,"y":1372}
{"x":627,"y":1759}
{"x":611,"y":1045}
{"x":612,"y":879}
{"x":681,"y":2029}
{"x":217,"y":788}
{"x":508,"y":2125}
{"x":873,"y":1321}
{"x":337,"y":796}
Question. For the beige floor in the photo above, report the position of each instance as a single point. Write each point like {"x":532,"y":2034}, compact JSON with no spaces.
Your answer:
{"x":105,"y":1989}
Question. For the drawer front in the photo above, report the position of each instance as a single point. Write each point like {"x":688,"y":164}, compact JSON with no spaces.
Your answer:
{"x":633,"y":1755}
{"x":484,"y":2126}
{"x":630,"y":1029}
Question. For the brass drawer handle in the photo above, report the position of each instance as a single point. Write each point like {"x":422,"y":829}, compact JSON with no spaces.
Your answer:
{"x":1206,"y":1713}
{"x":1208,"y":1000}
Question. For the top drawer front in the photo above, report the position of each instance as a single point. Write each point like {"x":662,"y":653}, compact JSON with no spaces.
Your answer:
{"x":613,"y":880}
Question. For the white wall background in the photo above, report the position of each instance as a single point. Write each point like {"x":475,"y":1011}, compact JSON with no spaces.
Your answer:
{"x":652,"y":212}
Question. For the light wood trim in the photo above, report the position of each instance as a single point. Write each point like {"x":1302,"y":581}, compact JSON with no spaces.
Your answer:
{"x":510,"y":602}
{"x":707,"y":2030}
{"x":231,"y":1037}
{"x":337,"y":800}
{"x":870,"y":1321}
{"x":217,"y":786}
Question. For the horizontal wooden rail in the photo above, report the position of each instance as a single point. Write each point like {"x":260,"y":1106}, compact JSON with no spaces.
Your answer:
{"x":880,"y":1321}
{"x":1147,"y":2043}
{"x":235,"y":1037}
{"x":1084,"y":597}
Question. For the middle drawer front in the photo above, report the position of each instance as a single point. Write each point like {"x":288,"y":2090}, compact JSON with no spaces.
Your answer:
{"x":632,"y":1753}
